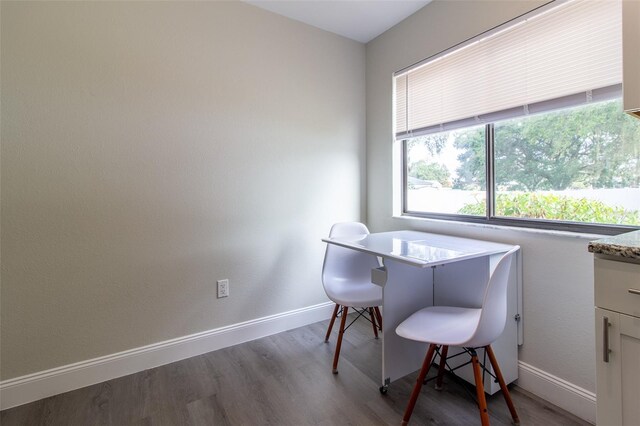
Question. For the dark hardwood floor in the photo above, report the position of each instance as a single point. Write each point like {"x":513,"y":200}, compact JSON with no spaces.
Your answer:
{"x":284,"y":379}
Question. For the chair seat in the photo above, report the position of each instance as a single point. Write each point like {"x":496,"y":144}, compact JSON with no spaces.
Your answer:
{"x":357,"y":294}
{"x":441,"y":325}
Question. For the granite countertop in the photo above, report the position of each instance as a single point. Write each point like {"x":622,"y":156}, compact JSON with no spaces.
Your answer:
{"x":623,"y":245}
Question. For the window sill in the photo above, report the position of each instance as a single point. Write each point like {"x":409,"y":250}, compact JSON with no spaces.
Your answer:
{"x":547,"y":232}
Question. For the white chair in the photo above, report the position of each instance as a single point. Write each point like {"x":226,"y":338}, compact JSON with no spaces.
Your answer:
{"x":346,"y":277}
{"x":467,"y":328}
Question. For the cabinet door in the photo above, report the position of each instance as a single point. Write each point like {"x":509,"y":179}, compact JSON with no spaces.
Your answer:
{"x":608,"y":368}
{"x":630,"y":369}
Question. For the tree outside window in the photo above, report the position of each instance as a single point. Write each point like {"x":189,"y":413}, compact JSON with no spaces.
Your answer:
{"x":579,"y":164}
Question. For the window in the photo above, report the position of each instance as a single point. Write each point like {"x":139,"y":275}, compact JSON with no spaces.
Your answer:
{"x":446,"y":172}
{"x":524,"y":126}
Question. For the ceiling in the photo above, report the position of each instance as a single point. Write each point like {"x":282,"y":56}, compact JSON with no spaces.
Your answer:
{"x":360,"y":20}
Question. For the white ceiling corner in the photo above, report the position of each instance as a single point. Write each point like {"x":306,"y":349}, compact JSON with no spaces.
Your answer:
{"x":360,"y":20}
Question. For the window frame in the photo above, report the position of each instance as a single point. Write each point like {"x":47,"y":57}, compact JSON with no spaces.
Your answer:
{"x":490,"y":218}
{"x":400,"y":137}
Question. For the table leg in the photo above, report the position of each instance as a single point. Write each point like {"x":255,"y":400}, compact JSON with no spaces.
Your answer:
{"x":407,"y":289}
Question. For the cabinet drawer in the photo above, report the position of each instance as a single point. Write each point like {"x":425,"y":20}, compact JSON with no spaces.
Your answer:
{"x":613,"y":280}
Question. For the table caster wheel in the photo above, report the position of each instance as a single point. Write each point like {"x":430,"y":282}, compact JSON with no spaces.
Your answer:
{"x":384,"y":389}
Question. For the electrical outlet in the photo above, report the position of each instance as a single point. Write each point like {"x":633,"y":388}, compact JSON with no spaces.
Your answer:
{"x":223,"y":288}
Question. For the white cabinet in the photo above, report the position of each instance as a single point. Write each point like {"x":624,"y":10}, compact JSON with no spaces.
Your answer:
{"x":617,"y":342}
{"x":631,"y":57}
{"x":618,"y":371}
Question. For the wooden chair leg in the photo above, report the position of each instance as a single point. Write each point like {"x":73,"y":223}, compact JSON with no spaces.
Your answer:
{"x":503,"y":386}
{"x":343,"y":320}
{"x":443,"y":359}
{"x":373,"y":321}
{"x":333,"y":319}
{"x":378,"y":316}
{"x":416,"y":389}
{"x":482,"y":402}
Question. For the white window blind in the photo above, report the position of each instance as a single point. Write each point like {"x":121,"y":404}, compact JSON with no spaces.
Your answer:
{"x":572,"y":50}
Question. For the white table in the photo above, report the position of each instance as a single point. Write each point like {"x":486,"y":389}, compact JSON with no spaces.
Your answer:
{"x":422,"y":269}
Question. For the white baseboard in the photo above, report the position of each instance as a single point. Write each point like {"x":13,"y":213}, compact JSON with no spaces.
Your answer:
{"x":576,"y":400}
{"x":32,"y":387}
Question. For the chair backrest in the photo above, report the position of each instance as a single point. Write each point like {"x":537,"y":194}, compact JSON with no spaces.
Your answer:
{"x":494,"y":305}
{"x":343,"y":263}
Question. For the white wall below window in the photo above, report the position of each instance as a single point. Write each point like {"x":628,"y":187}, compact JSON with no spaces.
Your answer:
{"x":557,"y":269}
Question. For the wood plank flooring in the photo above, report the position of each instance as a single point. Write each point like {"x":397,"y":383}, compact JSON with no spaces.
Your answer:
{"x":284,"y":379}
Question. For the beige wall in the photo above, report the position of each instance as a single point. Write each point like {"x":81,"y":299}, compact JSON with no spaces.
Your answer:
{"x":558,"y":271}
{"x":150,"y":148}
